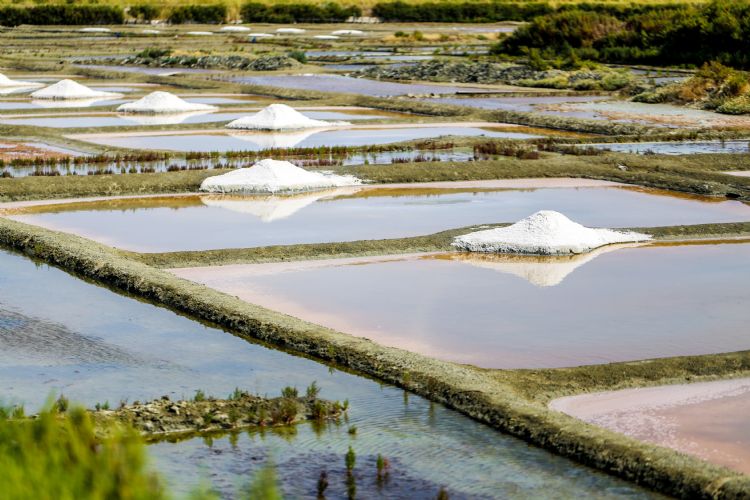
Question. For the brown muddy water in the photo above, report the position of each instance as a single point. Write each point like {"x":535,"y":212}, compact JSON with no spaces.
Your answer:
{"x":59,"y":334}
{"x":710,"y":420}
{"x":500,"y":311}
{"x":163,"y":224}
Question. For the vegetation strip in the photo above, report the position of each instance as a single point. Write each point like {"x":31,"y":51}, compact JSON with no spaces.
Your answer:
{"x":489,"y":396}
{"x":436,"y":242}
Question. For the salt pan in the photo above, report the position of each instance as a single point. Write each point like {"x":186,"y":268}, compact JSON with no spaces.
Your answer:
{"x":544,"y":233}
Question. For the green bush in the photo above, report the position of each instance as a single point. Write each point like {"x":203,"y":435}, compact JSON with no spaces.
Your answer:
{"x":144,"y":12}
{"x":61,"y":14}
{"x":59,"y":456}
{"x":257,"y":12}
{"x":199,"y":14}
{"x":461,"y":12}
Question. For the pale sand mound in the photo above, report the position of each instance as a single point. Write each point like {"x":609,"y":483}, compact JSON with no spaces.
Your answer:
{"x":271,"y":176}
{"x":68,"y":89}
{"x":163,"y":102}
{"x":280,"y":117}
{"x":7,"y":82}
{"x":544,"y":233}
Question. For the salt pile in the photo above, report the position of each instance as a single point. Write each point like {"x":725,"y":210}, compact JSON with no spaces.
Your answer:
{"x":272,"y":176}
{"x":199,"y":33}
{"x":235,"y":29}
{"x":326,"y":37}
{"x":544,"y":233}
{"x":150,"y":32}
{"x":68,"y":89}
{"x":348,"y":32}
{"x":261,"y":35}
{"x":280,"y":117}
{"x":94,"y":30}
{"x":7,"y":82}
{"x":290,"y":31}
{"x":163,"y":102}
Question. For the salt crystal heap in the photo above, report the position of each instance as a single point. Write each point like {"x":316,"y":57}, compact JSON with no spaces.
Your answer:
{"x":234,"y":29}
{"x":272,"y":176}
{"x":68,"y":89}
{"x":544,"y":233}
{"x":7,"y":82}
{"x":280,"y":117}
{"x":163,"y":102}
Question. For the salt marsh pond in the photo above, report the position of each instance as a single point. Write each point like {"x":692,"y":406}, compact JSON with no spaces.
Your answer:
{"x":203,"y":222}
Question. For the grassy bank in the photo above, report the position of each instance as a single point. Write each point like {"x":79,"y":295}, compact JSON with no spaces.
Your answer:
{"x":696,"y":174}
{"x":437,"y":242}
{"x":490,"y":396}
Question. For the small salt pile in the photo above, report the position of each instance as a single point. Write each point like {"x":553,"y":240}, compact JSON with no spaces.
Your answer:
{"x":94,"y":30}
{"x":150,"y":32}
{"x":280,"y":117}
{"x":348,"y":33}
{"x":234,"y":29}
{"x":326,"y":37}
{"x":7,"y":82}
{"x":68,"y":89}
{"x":272,"y":176}
{"x":260,"y":35}
{"x":199,"y":33}
{"x":163,"y":102}
{"x":290,"y":31}
{"x":544,"y":233}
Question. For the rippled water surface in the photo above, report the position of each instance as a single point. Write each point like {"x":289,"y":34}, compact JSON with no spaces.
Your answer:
{"x":59,"y":334}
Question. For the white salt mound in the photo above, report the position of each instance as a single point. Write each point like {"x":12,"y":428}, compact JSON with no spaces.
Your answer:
{"x":235,"y":28}
{"x":348,"y":32}
{"x":544,"y":233}
{"x":261,"y":35}
{"x":68,"y":89}
{"x":94,"y":30}
{"x":290,"y":31}
{"x":272,"y":176}
{"x":280,"y":117}
{"x":326,"y":37}
{"x":7,"y":82}
{"x":199,"y":33}
{"x":163,"y":102}
{"x":150,"y":32}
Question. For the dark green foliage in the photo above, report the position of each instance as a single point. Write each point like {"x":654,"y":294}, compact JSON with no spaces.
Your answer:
{"x":154,"y":52}
{"x":144,"y":12}
{"x":297,"y":12}
{"x":298,"y":55}
{"x":289,"y":392}
{"x":199,"y":14}
{"x":61,"y":14}
{"x":683,"y":34}
{"x":462,"y":12}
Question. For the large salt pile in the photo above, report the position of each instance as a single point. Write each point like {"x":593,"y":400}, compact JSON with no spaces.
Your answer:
{"x":68,"y":89}
{"x":163,"y":102}
{"x":7,"y":82}
{"x":272,"y":176}
{"x":280,"y":117}
{"x":544,"y":233}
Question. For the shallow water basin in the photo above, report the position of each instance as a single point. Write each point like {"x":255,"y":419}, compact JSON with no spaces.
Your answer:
{"x":62,"y":335}
{"x":255,"y":141}
{"x":501,"y":311}
{"x":678,"y":148}
{"x":201,"y":222}
{"x":706,"y":419}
